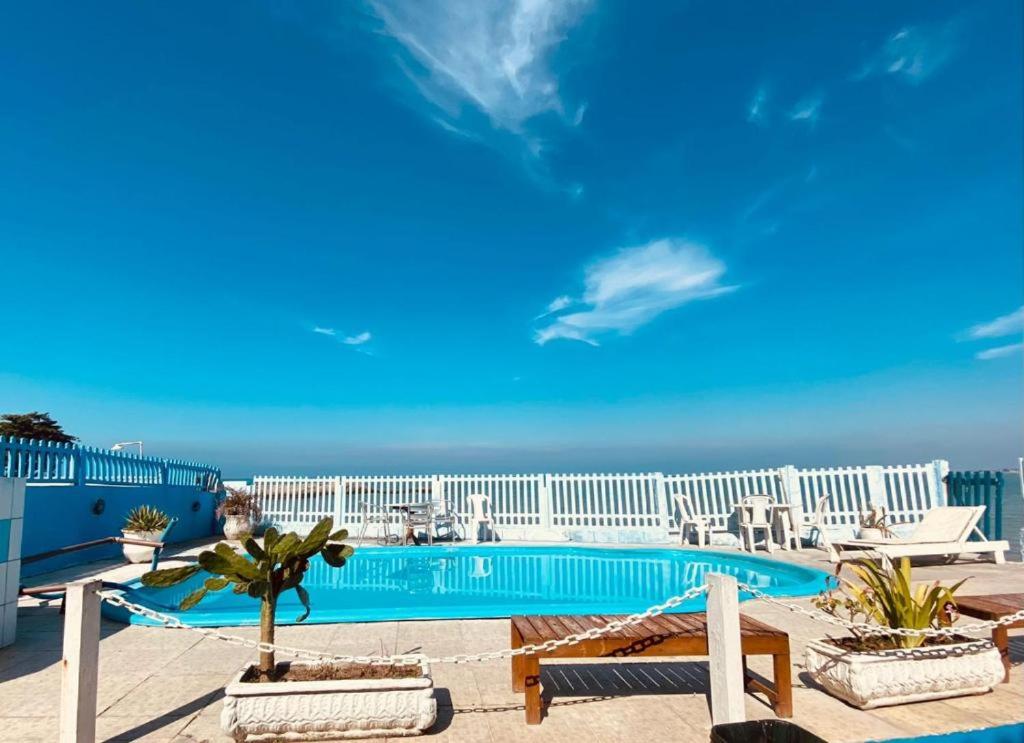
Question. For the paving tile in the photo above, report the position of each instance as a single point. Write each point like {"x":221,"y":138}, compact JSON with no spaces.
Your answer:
{"x":173,"y":696}
{"x":113,"y":729}
{"x":30,"y":729}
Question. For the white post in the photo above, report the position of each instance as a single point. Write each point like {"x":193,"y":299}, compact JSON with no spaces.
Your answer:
{"x":940,"y":467}
{"x":79,"y":664}
{"x":724,"y":650}
{"x":544,"y":503}
{"x":661,"y":504}
{"x":339,"y":500}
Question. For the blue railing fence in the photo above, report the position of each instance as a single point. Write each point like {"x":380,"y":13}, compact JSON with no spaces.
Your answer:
{"x":980,"y":488}
{"x":56,"y":463}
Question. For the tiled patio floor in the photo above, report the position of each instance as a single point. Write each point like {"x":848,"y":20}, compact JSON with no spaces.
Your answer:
{"x":158,"y":684}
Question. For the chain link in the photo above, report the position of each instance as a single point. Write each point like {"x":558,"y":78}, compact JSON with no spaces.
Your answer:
{"x":167,"y":620}
{"x":874,"y":629}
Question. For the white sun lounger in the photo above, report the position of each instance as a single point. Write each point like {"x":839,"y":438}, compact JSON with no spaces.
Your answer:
{"x":942,"y":531}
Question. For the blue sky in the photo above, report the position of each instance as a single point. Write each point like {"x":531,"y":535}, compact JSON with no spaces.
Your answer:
{"x":556,"y":234}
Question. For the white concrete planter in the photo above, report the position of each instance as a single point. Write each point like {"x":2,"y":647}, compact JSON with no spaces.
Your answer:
{"x":235,"y":527}
{"x":871,"y":533}
{"x":136,"y":554}
{"x":321,"y":710}
{"x":888,"y":677}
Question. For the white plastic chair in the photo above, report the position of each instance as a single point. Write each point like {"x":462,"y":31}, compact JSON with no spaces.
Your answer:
{"x":820,"y":526}
{"x":373,"y":514}
{"x":482,"y":514}
{"x":690,"y":520}
{"x":756,"y":514}
{"x":789,"y":522}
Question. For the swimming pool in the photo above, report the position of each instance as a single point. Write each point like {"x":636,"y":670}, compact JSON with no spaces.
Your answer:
{"x":388,"y":583}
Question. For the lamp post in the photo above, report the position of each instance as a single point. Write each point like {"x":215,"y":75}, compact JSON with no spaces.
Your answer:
{"x":121,"y":445}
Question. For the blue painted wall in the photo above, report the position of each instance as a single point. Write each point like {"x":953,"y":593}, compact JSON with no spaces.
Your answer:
{"x":60,"y":515}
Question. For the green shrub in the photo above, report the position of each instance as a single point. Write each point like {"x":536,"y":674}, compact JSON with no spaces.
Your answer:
{"x":886,"y":597}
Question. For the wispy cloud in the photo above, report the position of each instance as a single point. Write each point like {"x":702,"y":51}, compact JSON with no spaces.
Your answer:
{"x":807,"y":109}
{"x":915,"y":53}
{"x":491,"y":57}
{"x":756,"y":109}
{"x":1011,"y":324}
{"x":1005,"y":325}
{"x":357,"y":340}
{"x":632,"y":287}
{"x":999,"y":352}
{"x":556,"y":305}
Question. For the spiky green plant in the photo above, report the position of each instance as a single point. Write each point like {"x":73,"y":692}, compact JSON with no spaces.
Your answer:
{"x":146,"y":518}
{"x":886,"y":597}
{"x":278,"y":566}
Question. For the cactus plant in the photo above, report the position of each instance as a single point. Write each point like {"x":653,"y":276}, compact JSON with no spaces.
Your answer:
{"x":278,"y":566}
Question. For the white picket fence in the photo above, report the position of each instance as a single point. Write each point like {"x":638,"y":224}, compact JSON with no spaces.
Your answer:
{"x":608,"y":507}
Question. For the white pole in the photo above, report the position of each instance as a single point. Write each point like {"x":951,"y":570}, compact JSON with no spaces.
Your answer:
{"x":79,"y":665}
{"x":724,"y":650}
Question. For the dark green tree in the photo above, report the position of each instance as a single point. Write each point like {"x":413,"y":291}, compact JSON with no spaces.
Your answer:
{"x":34,"y":425}
{"x":278,"y":566}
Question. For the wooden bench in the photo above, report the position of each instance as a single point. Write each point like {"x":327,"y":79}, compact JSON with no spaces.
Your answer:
{"x":664,"y":635}
{"x":991,"y":608}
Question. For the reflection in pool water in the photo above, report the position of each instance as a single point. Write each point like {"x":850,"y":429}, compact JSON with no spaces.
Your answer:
{"x":384,"y":583}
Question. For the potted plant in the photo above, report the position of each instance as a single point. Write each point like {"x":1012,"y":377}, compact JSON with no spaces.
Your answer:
{"x":241,"y":512}
{"x":874,"y":524}
{"x":146,"y":523}
{"x":869,"y":669}
{"x":312,"y":700}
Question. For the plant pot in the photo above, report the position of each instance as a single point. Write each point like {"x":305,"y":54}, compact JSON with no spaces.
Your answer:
{"x":135,"y":553}
{"x":235,"y":527}
{"x":886,"y":677}
{"x":871,"y":533}
{"x":319,"y":710}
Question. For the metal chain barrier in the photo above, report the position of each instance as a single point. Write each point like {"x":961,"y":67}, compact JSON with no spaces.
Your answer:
{"x":874,"y":629}
{"x":167,"y":620}
{"x":118,"y":599}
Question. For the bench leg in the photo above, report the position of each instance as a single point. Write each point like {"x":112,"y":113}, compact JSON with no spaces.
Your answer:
{"x":518,"y":673}
{"x":1001,"y":640}
{"x":783,"y":678}
{"x":531,"y":680}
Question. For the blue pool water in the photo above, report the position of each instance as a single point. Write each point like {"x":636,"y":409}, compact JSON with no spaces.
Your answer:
{"x":1003,"y":734}
{"x":386,"y":583}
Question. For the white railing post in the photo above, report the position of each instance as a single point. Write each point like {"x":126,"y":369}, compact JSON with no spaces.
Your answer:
{"x":661,"y":498}
{"x":339,"y":497}
{"x":79,"y":665}
{"x":437,"y":488}
{"x":940,"y":468}
{"x":544,"y":501}
{"x":724,"y":650}
{"x":877,"y":495}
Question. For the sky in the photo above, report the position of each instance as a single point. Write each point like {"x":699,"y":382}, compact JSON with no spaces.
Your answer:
{"x":541,"y":235}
